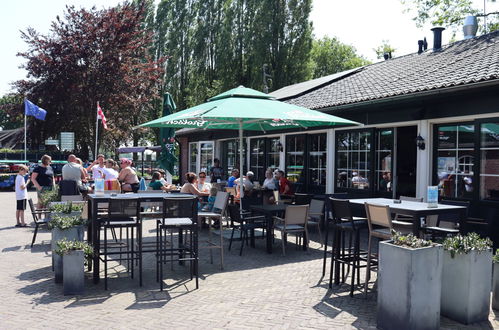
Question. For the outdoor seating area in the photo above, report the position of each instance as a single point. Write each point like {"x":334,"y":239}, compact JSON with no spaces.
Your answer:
{"x":236,"y":164}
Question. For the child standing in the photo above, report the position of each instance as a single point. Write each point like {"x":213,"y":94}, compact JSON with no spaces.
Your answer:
{"x":21,"y":195}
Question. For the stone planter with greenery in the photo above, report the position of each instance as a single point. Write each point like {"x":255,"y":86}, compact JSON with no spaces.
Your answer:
{"x":68,"y":227}
{"x":495,"y":282}
{"x":466,"y":278}
{"x":409,"y":283}
{"x":66,"y":209}
{"x":49,"y":196}
{"x":74,"y":255}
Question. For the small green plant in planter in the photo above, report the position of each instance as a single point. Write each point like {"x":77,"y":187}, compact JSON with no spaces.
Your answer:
{"x":465,"y":244}
{"x":49,"y":196}
{"x":409,"y":241}
{"x":64,"y":222}
{"x":66,"y":208}
{"x":65,"y":246}
{"x":74,"y":256}
{"x":467,"y":278}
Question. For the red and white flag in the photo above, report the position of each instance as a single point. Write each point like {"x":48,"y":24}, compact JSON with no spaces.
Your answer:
{"x":100,"y":115}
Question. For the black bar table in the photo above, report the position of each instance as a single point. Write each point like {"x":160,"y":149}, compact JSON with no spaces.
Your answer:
{"x":269,"y":211}
{"x":94,"y":226}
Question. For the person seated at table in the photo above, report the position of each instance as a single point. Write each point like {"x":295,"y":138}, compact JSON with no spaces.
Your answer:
{"x":157,"y":184}
{"x":208,"y":207}
{"x":190,"y":187}
{"x":270,"y":183}
{"x":73,"y":171}
{"x":284,"y":184}
{"x":247,"y":183}
{"x":128,"y":177}
{"x":109,"y":173}
{"x":202,"y":184}
{"x":97,"y":167}
{"x":232,"y":178}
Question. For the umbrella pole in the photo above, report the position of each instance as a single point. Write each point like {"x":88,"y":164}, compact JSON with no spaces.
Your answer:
{"x":241,"y":167}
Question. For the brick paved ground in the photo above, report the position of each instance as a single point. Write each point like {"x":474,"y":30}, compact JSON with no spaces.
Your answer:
{"x":256,"y":290}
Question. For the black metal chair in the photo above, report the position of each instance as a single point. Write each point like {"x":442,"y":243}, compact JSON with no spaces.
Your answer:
{"x":37,"y":213}
{"x":327,"y":219}
{"x":179,"y":215}
{"x":68,"y":187}
{"x":244,"y":223}
{"x":122,"y":213}
{"x":302,"y":199}
{"x":344,"y":223}
{"x":446,"y":224}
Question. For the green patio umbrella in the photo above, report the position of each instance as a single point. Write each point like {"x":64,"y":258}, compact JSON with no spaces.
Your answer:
{"x":243,"y":109}
{"x":167,"y":158}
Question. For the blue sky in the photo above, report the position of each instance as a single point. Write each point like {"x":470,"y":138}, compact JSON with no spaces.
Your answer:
{"x":361,"y":23}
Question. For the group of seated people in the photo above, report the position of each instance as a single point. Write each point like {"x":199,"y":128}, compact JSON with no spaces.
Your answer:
{"x":122,"y":178}
{"x":197,"y":185}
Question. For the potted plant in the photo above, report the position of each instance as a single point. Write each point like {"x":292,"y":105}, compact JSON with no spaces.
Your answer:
{"x":66,"y":208}
{"x":69,"y":227}
{"x":49,"y":196}
{"x":74,"y":255}
{"x":409,"y":281}
{"x":466,"y":278}
{"x":495,"y":282}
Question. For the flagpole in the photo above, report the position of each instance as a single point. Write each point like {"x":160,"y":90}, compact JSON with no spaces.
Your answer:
{"x":96,"y":130}
{"x":25,"y":137}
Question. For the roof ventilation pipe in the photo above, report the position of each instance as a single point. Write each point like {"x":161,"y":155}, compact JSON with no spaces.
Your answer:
{"x":437,"y":37}
{"x":470,"y":27}
{"x":420,"y":46}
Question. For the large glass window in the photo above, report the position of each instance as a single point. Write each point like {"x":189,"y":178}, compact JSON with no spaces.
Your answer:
{"x":317,"y":160}
{"x":193,"y":157}
{"x":384,"y":157}
{"x":353,"y":159}
{"x":295,"y":150}
{"x":206,"y":154}
{"x":200,"y":156}
{"x":257,"y":158}
{"x":489,"y":161}
{"x":230,"y":156}
{"x":275,"y":148}
{"x":455,"y":148}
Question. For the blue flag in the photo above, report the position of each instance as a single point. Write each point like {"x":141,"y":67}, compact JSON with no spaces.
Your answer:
{"x":31,"y":109}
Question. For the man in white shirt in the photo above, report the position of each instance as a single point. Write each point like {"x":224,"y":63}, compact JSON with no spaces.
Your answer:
{"x":97,"y":167}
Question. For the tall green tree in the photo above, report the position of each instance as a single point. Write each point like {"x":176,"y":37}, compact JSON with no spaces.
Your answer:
{"x":329,"y":56}
{"x":449,"y":13}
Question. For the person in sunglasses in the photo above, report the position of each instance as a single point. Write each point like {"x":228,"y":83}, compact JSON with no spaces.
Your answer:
{"x":128,"y":177}
{"x":202,"y":184}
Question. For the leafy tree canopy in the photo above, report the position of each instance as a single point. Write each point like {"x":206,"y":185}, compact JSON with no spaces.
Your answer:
{"x":449,"y":13}
{"x":329,"y":56}
{"x":89,"y":56}
{"x":11,"y":111}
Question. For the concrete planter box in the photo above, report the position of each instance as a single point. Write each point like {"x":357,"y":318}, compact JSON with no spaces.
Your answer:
{"x":466,"y":285}
{"x":495,"y":287}
{"x":73,"y":270}
{"x":409,"y":285}
{"x":71,"y":234}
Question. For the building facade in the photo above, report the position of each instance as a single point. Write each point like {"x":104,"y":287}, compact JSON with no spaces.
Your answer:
{"x":429,"y":118}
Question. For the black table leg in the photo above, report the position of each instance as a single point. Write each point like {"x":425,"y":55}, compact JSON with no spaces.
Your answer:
{"x":95,"y":241}
{"x":416,"y":225}
{"x":270,"y":223}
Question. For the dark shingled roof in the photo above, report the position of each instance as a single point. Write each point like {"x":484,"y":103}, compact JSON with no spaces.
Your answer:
{"x":460,"y":63}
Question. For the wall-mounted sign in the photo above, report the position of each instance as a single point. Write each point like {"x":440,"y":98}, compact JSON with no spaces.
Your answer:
{"x":67,"y":140}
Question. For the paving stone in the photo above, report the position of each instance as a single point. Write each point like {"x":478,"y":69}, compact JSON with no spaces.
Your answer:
{"x":256,"y":290}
